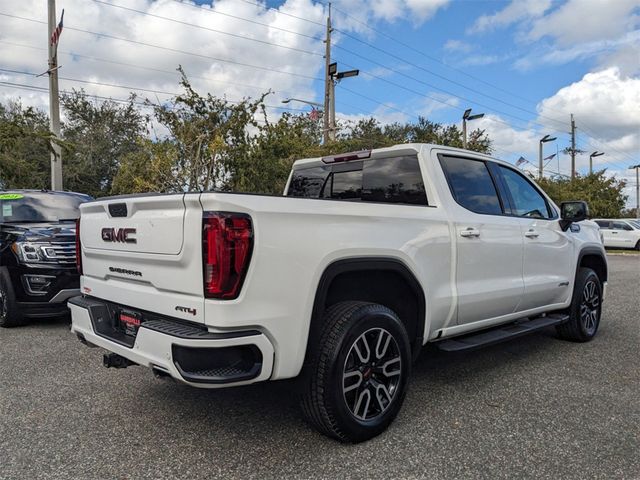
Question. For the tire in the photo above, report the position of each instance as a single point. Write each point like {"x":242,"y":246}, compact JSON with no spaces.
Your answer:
{"x":637,"y":247}
{"x":9,"y":314}
{"x":585,"y":309}
{"x":334,"y":398}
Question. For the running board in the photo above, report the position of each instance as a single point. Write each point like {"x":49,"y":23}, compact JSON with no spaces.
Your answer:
{"x":500,"y":334}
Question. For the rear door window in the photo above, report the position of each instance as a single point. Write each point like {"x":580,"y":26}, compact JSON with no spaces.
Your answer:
{"x":621,"y":226}
{"x":603,"y":224}
{"x":471,"y":184}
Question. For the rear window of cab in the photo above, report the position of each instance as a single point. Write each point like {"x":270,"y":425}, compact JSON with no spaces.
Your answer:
{"x":382,"y":180}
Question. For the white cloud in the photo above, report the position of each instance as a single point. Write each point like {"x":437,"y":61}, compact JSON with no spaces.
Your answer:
{"x":609,"y":50}
{"x":361,"y":12}
{"x":436,"y":102}
{"x":516,"y":11}
{"x":606,"y":101}
{"x":458,"y":46}
{"x":581,"y":21}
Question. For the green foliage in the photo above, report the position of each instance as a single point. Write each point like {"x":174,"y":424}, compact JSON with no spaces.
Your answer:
{"x":98,"y":135}
{"x":24,"y":147}
{"x":213,"y":137}
{"x":605,"y":195}
{"x":149,"y":168}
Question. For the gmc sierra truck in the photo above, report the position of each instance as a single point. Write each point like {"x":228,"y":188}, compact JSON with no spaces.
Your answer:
{"x":367,"y":257}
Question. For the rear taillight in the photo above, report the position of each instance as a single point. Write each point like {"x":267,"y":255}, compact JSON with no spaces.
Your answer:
{"x":78,"y":247}
{"x":227,"y":242}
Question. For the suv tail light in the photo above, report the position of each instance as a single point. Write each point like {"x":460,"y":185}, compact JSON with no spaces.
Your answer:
{"x":227,"y":243}
{"x":78,"y":247}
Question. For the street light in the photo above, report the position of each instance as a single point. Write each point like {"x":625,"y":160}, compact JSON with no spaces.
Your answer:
{"x":308,"y":102}
{"x":637,"y":169}
{"x":594,"y":154}
{"x":545,"y":139}
{"x":467,"y":116}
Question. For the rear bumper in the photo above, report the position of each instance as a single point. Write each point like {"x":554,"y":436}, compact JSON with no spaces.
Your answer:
{"x":187,"y":353}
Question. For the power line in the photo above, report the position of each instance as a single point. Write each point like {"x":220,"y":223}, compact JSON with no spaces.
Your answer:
{"x":151,"y":69}
{"x":235,"y":35}
{"x":139,"y":89}
{"x":420,"y":52}
{"x":397,"y":57}
{"x":169,"y":49}
{"x":286,"y":13}
{"x":255,"y":22}
{"x":590,"y":135}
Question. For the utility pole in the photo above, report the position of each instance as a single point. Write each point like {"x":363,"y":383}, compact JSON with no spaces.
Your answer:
{"x":637,"y":169}
{"x":328,"y":82}
{"x":573,"y":148}
{"x":545,"y":139}
{"x":54,"y":101}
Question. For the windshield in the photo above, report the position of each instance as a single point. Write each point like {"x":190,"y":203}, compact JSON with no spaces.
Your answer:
{"x":28,"y":207}
{"x":635,"y":224}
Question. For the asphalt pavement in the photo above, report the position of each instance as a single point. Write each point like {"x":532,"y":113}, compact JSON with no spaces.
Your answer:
{"x":537,"y":407}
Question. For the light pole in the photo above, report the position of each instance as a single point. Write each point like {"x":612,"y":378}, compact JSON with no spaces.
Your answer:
{"x":594,"y":154}
{"x":308,"y":102}
{"x":545,"y":139}
{"x":467,"y":116}
{"x":637,"y":169}
{"x":335,"y":77}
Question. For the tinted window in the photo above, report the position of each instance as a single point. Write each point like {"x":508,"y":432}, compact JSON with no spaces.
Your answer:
{"x":603,"y":224}
{"x":635,"y":224}
{"x":345,"y":185}
{"x":393,"y":180}
{"x":385,"y":180}
{"x":621,"y":226}
{"x":528,"y":201}
{"x":308,"y":182}
{"x":472,"y":185}
{"x":40,"y":206}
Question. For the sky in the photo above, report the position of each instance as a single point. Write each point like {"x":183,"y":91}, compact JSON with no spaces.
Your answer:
{"x":526,"y":64}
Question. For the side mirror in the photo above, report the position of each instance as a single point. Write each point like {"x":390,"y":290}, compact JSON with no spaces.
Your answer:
{"x":571,"y":212}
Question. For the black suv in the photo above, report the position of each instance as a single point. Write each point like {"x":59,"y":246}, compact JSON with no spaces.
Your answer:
{"x":38,"y":270}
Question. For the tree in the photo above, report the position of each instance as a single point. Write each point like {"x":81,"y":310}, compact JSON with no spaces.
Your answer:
{"x":149,"y":168}
{"x":24,"y":147}
{"x":98,"y":136}
{"x":605,"y":195}
{"x":213,"y":137}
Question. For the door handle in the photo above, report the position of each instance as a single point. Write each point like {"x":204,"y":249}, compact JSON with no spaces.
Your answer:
{"x":614,"y":233}
{"x":531,"y":234}
{"x":470,"y":232}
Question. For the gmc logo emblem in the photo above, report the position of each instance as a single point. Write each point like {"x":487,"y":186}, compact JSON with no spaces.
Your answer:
{"x":124,"y":235}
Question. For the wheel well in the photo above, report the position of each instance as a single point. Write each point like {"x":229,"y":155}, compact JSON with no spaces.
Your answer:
{"x":596,"y":263}
{"x":386,"y":282}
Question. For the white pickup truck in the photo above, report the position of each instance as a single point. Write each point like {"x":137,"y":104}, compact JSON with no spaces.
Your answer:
{"x":367,"y":257}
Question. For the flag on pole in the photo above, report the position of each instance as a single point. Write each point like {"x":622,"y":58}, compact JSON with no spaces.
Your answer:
{"x":314,"y":114}
{"x":550,"y":157}
{"x":55,"y":36}
{"x":520,"y":161}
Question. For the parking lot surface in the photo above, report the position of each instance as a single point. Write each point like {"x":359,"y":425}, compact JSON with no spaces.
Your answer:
{"x":537,"y":407}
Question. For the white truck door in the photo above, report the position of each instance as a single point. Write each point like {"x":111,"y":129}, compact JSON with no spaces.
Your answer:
{"x":548,"y":251}
{"x":623,"y":234}
{"x":489,"y":244}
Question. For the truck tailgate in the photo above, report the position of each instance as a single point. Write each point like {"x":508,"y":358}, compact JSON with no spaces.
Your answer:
{"x":135,"y":253}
